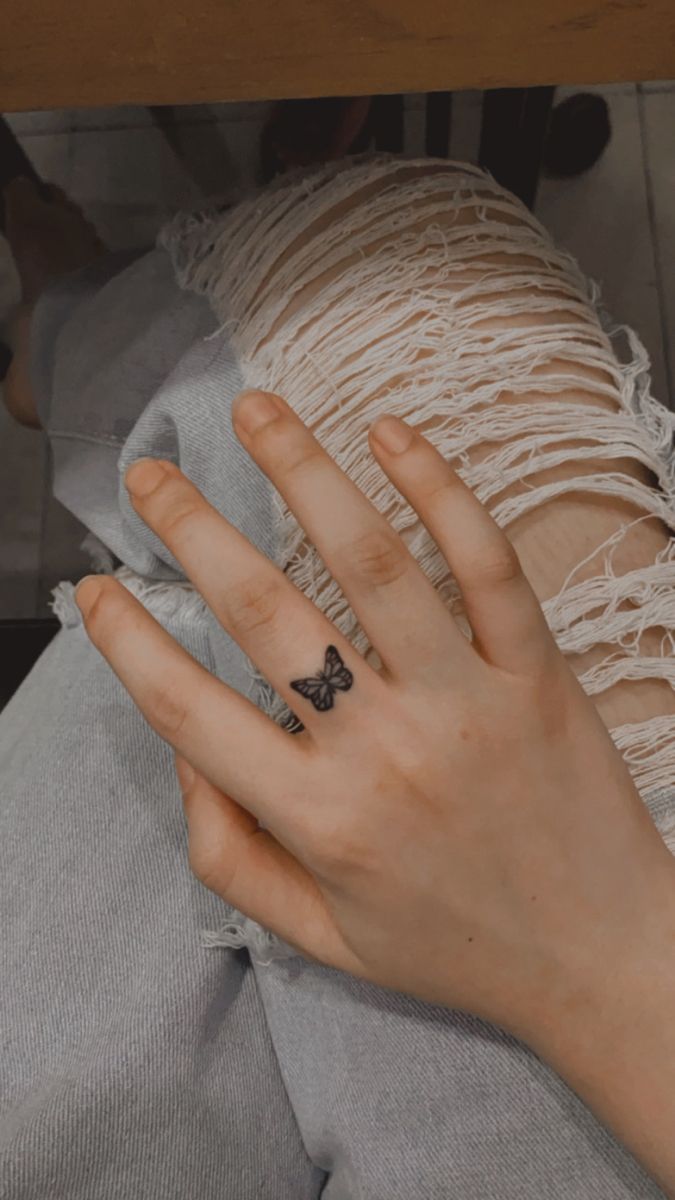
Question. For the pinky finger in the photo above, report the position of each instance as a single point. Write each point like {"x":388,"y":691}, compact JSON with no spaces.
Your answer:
{"x":506,"y":618}
{"x":249,"y":869}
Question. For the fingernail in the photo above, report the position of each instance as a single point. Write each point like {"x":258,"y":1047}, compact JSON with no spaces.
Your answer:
{"x":185,"y":773}
{"x":393,"y":434}
{"x":144,"y":476}
{"x":252,"y":410}
{"x":84,"y":596}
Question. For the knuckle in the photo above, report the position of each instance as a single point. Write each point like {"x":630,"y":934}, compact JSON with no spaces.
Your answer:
{"x":299,"y":455}
{"x":377,"y":558}
{"x":180,"y":513}
{"x":498,"y":566}
{"x":168,"y":713}
{"x":254,"y":604}
{"x":213,"y":858}
{"x":286,"y":447}
{"x":436,"y":495}
{"x":355,"y":856}
{"x":343,"y":850}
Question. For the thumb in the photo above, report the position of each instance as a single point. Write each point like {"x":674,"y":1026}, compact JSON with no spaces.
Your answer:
{"x":247,"y":867}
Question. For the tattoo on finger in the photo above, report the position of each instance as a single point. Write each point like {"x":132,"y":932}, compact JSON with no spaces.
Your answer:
{"x":322,"y":688}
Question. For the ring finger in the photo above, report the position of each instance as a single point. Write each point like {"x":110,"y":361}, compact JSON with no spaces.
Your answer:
{"x":303,"y":656}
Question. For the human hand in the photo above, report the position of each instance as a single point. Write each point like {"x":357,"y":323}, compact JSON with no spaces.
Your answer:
{"x":458,"y":825}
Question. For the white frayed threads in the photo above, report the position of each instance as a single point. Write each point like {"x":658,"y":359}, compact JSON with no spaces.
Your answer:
{"x":263,"y":947}
{"x":102,"y":559}
{"x":400,"y":310}
{"x":402,"y":324}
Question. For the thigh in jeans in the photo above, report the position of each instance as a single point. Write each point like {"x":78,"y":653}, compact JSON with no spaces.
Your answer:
{"x":421,"y":288}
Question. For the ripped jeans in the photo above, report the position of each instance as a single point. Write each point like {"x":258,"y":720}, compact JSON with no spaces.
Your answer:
{"x":422,"y":288}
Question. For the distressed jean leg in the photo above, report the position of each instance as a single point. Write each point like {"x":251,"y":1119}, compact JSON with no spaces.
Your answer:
{"x":422,"y":288}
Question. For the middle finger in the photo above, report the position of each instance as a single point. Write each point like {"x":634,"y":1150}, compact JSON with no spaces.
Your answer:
{"x":279,"y":628}
{"x":401,"y":611}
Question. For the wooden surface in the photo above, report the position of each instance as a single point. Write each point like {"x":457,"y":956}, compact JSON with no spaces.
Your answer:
{"x":60,"y":53}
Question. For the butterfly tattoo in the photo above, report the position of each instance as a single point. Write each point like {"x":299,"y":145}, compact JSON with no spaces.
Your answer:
{"x":321,"y":688}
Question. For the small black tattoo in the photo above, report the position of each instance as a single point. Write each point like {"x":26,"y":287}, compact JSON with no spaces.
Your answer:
{"x":321,"y":688}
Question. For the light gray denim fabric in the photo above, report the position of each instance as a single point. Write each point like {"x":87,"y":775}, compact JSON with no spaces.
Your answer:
{"x":136,"y":1062}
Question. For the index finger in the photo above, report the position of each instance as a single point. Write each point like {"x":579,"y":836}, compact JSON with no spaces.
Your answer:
{"x":218,"y":731}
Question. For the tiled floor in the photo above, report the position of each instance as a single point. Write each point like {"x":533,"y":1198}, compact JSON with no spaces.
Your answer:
{"x":618,"y":219}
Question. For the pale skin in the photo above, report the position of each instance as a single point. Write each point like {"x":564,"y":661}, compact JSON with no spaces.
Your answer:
{"x":453,"y":787}
{"x":459,"y":825}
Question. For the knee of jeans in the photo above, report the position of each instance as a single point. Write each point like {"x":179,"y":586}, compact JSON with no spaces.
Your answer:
{"x":424,"y":287}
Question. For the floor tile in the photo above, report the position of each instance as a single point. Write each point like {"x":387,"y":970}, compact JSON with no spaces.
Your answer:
{"x":658,"y":122}
{"x":71,"y":120}
{"x":240,"y":110}
{"x":607,"y":89}
{"x":233,"y":149}
{"x":467,"y":116}
{"x":21,"y":490}
{"x":18,"y":596}
{"x":658,"y":85}
{"x":128,"y":182}
{"x":602,"y":217}
{"x":10,"y":291}
{"x":61,"y":556}
{"x":128,"y":166}
{"x":80,"y":120}
{"x":50,"y":155}
{"x":414,"y":123}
